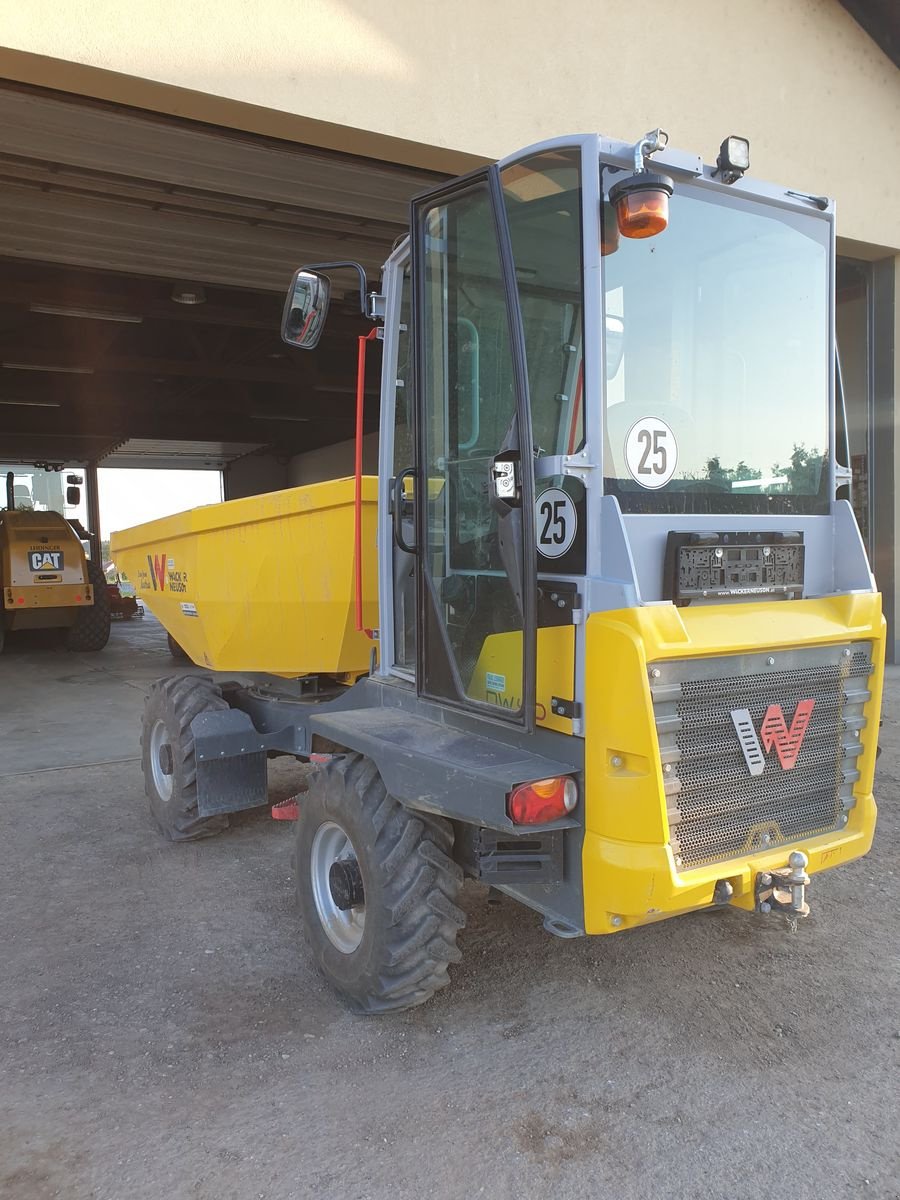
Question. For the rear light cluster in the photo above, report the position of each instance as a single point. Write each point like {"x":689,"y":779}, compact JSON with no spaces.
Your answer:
{"x":542,"y":801}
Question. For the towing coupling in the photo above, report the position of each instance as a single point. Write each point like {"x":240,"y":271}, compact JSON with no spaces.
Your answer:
{"x":784,"y":889}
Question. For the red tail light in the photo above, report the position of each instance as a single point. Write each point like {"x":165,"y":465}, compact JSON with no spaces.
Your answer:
{"x":544,"y":800}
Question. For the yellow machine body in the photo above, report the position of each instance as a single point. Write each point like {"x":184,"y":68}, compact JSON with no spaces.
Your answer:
{"x":43,"y":570}
{"x":631,"y":876}
{"x":629,"y":867}
{"x":264,"y":583}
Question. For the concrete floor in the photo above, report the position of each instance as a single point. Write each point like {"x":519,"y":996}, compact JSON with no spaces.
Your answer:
{"x":163,"y":1033}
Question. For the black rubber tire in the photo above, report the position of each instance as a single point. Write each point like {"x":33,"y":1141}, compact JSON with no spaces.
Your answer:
{"x":91,"y":629}
{"x":175,"y":702}
{"x":410,"y":884}
{"x":177,"y":652}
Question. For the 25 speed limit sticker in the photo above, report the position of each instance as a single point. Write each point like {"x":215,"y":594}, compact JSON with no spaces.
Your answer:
{"x":555,"y":522}
{"x":651,"y":452}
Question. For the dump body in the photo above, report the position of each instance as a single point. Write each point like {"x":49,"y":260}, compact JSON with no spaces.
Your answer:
{"x":264,"y":583}
{"x":43,"y":570}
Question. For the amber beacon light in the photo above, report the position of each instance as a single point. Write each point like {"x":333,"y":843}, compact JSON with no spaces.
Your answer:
{"x":642,"y":204}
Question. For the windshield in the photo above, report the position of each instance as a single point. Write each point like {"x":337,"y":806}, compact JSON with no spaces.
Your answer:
{"x":37,"y":490}
{"x":720,"y":328}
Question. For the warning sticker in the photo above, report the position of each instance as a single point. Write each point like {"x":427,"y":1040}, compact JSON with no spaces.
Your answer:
{"x":494,"y":682}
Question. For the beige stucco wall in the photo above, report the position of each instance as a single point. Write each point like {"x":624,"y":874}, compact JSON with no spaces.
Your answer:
{"x":440,"y":83}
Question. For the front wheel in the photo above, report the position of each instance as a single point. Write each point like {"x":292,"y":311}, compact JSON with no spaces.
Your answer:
{"x":168,"y":755}
{"x":377,"y":889}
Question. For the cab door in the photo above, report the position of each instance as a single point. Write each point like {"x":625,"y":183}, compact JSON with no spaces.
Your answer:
{"x":474,"y":485}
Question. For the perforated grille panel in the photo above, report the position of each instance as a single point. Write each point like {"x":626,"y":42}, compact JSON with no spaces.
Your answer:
{"x":726,"y":799}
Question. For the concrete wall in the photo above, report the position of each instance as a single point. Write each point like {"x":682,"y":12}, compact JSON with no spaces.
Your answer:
{"x":443,"y":84}
{"x":254,"y":474}
{"x":332,"y":462}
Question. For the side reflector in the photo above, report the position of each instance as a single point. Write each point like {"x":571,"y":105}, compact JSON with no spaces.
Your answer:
{"x":542,"y":801}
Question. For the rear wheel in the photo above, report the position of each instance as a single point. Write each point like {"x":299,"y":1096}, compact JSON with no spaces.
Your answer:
{"x":377,"y":889}
{"x":177,"y":652}
{"x":91,"y":628}
{"x":168,"y":757}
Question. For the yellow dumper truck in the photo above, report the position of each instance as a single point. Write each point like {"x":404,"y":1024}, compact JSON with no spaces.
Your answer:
{"x":602,"y":633}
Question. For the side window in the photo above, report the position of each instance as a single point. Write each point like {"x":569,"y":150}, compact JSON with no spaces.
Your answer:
{"x":469,"y":412}
{"x":542,"y":195}
{"x":404,"y":457}
{"x":404,"y":445}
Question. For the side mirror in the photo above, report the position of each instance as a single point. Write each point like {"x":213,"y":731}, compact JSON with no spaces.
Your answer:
{"x":305,"y":309}
{"x":73,"y":496}
{"x":615,"y":344}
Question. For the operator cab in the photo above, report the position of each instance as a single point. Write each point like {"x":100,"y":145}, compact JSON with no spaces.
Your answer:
{"x":608,"y":381}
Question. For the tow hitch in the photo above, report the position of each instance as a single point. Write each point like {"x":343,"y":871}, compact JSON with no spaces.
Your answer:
{"x":784,"y":889}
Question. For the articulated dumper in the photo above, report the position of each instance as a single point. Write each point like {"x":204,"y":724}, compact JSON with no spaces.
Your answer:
{"x":602,"y":634}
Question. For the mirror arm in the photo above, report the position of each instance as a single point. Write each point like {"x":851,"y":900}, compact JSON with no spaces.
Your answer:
{"x":354,"y":266}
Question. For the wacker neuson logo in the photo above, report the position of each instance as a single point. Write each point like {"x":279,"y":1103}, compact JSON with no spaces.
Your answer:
{"x":774,"y":731}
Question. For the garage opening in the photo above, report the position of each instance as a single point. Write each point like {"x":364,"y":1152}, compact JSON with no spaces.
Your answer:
{"x":144,"y":265}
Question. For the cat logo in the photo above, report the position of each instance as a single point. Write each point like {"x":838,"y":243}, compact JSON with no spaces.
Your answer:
{"x":45,"y":560}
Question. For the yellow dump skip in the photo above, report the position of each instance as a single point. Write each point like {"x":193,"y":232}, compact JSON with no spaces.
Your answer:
{"x":263,"y":583}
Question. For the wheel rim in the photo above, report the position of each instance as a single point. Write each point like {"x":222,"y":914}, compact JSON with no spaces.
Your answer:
{"x":160,"y":750}
{"x":343,"y":927}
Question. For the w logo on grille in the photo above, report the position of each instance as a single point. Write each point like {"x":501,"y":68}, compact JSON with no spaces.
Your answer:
{"x":774,"y":732}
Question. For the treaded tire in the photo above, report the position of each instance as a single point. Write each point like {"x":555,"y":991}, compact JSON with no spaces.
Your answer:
{"x":91,"y":629}
{"x":410,"y":885}
{"x":170,"y":707}
{"x":177,"y":651}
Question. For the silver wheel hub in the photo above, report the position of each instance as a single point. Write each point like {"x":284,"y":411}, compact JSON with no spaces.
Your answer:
{"x":161,"y":761}
{"x":343,"y":925}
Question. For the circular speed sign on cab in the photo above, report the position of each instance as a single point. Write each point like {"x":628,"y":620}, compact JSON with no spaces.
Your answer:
{"x":651,"y":452}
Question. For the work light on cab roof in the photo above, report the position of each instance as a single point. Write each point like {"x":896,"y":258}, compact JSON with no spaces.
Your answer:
{"x":641,"y":200}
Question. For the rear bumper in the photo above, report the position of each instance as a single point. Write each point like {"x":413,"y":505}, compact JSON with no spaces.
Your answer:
{"x":630,"y":872}
{"x":640,"y":884}
{"x":48,"y":595}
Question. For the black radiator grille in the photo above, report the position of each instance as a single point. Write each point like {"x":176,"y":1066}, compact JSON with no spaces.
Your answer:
{"x":718,"y":809}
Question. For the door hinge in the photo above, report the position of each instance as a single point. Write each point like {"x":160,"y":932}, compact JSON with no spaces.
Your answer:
{"x":559,"y":603}
{"x":375,"y":306}
{"x":565,"y":708}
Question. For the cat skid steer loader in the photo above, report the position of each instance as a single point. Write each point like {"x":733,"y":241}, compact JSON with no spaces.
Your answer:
{"x":602,"y":633}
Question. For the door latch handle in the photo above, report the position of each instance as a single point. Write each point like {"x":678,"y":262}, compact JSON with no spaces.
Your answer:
{"x":505,"y":481}
{"x":397,"y":507}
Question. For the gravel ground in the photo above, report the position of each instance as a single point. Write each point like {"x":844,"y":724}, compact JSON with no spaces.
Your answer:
{"x":163,"y":1033}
